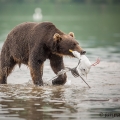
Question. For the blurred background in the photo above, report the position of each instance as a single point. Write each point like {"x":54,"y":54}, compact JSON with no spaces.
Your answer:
{"x":96,"y":23}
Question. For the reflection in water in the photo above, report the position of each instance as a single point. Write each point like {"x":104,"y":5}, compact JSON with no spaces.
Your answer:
{"x":44,"y":102}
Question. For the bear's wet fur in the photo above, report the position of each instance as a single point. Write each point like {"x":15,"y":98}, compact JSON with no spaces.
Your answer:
{"x":31,"y":44}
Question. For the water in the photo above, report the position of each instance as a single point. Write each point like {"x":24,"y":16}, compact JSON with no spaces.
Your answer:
{"x":21,"y":100}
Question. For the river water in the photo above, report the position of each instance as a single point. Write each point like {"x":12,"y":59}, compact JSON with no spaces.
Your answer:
{"x":21,"y":100}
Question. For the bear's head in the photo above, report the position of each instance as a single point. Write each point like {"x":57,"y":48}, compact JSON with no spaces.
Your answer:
{"x":62,"y":44}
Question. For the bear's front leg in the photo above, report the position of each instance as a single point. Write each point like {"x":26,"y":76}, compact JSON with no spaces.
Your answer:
{"x":36,"y":70}
{"x":57,"y":64}
{"x":36,"y":74}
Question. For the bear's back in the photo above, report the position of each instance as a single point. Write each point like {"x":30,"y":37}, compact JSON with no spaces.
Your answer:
{"x":28,"y":29}
{"x":22,"y":29}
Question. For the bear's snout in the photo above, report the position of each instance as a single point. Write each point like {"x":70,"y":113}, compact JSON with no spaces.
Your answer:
{"x":83,"y":52}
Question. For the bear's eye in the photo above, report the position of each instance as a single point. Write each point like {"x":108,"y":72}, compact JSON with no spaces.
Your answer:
{"x":74,"y":44}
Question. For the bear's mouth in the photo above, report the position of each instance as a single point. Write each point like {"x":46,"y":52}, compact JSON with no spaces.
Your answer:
{"x":70,"y":52}
{"x":72,"y":55}
{"x":81,"y":52}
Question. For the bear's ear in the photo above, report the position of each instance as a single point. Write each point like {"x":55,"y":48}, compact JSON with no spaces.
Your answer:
{"x":57,"y":37}
{"x":71,"y":34}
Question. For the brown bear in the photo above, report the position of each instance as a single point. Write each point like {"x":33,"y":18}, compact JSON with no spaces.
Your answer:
{"x":31,"y":44}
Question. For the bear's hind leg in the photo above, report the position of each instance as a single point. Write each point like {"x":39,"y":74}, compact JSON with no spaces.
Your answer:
{"x":57,"y":64}
{"x":6,"y":68}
